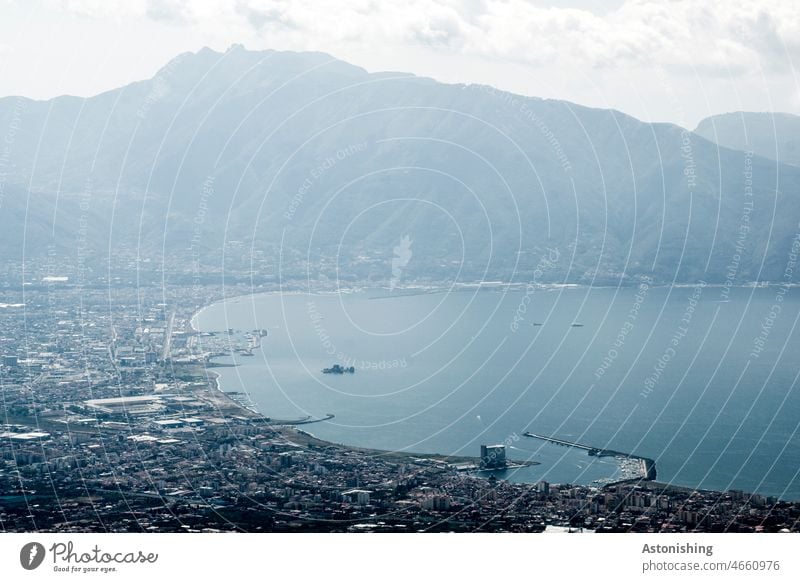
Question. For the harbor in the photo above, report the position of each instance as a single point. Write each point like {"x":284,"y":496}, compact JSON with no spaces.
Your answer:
{"x":631,"y":467}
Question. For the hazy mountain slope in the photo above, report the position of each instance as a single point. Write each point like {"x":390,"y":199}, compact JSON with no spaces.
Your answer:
{"x":299,"y":164}
{"x":772,"y":135}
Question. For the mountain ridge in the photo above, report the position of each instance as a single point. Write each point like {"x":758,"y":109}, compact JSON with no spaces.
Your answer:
{"x":485,"y":181}
{"x":773,"y":135}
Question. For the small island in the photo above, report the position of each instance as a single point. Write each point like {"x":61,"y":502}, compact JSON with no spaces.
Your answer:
{"x":337,"y":369}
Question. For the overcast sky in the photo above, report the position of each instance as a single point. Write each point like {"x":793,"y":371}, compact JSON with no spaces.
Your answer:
{"x":660,"y":60}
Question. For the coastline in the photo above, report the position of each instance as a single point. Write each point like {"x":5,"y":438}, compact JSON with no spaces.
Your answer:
{"x":465,"y":287}
{"x":304,"y":438}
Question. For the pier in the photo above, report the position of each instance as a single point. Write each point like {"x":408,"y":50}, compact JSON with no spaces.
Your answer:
{"x":298,"y":421}
{"x":558,"y":441}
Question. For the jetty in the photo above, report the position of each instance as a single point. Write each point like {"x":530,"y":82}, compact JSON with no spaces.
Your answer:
{"x":298,"y":421}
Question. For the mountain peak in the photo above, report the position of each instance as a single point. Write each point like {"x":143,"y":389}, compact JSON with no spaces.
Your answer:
{"x":290,"y":151}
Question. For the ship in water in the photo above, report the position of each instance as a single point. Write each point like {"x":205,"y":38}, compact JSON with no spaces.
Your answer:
{"x":337,"y":369}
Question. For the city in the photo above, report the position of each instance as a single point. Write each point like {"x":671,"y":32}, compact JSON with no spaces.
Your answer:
{"x":112,"y":421}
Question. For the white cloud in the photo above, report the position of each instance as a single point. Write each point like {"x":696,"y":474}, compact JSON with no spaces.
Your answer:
{"x":715,"y":54}
{"x":721,"y":35}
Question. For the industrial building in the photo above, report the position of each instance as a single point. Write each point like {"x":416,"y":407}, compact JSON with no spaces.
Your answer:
{"x":127,"y":405}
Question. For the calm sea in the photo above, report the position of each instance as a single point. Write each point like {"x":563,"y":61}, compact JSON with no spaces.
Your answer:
{"x":702,"y":381}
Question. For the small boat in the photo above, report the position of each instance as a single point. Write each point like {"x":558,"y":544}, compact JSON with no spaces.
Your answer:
{"x":576,"y":324}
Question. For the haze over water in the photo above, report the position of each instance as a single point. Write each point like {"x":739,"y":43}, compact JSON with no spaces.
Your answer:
{"x":447,"y":372}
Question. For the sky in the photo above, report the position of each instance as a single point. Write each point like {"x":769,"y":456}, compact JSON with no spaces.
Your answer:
{"x":659,"y":60}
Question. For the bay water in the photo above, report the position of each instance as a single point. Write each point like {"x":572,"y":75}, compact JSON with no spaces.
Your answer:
{"x":701,"y":379}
